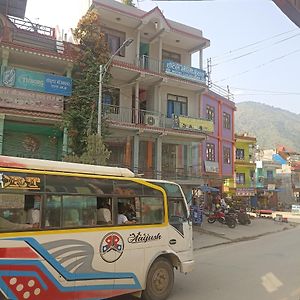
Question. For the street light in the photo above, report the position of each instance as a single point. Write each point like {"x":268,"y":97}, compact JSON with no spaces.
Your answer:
{"x":102,"y":73}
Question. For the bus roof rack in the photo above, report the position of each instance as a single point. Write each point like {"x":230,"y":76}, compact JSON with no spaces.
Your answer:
{"x":59,"y":166}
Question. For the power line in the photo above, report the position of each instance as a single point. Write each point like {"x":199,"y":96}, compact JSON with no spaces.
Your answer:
{"x":256,"y":50}
{"x":261,"y":65}
{"x":266,"y":91}
{"x":255,"y":43}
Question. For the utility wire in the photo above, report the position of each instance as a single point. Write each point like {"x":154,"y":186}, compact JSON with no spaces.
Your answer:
{"x":256,"y":50}
{"x":252,"y":44}
{"x":261,"y":65}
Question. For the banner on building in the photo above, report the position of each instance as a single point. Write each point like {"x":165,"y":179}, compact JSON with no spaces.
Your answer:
{"x":30,"y":101}
{"x":245,"y":192}
{"x":183,"y":71}
{"x":200,"y":125}
{"x":211,"y":166}
{"x":37,"y":81}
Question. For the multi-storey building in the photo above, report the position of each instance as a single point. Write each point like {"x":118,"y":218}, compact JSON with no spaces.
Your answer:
{"x":35,"y":77}
{"x":269,"y":179}
{"x":154,"y":111}
{"x":242,"y":185}
{"x":218,"y":148}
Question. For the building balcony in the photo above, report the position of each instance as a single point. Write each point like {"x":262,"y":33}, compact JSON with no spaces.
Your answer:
{"x":122,"y":116}
{"x":171,"y":68}
{"x":26,"y":34}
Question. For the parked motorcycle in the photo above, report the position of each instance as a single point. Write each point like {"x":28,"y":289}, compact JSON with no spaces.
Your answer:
{"x":240,"y":215}
{"x":221,"y":217}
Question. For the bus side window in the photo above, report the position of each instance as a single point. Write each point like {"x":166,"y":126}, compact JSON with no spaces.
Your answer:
{"x":12,"y":213}
{"x":53,"y":211}
{"x":152,"y":209}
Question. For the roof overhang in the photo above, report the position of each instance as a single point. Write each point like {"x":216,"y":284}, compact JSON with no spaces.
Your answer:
{"x":291,"y":9}
{"x":15,"y":8}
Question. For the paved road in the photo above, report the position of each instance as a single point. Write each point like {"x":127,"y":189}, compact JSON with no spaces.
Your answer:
{"x":267,"y":268}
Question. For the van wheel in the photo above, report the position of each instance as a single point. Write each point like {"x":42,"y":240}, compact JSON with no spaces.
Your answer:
{"x":160,"y":280}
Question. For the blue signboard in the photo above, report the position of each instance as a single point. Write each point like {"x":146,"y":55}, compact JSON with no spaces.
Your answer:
{"x":59,"y":85}
{"x":185,"y":72}
{"x":37,"y":81}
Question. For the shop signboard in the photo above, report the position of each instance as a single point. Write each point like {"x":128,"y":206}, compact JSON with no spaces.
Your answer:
{"x":245,"y":192}
{"x":183,"y":71}
{"x":296,"y":209}
{"x":211,"y":166}
{"x":188,"y":123}
{"x":30,"y":101}
{"x":37,"y":81}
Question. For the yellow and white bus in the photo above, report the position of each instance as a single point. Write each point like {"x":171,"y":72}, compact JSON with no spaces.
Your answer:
{"x":61,"y":237}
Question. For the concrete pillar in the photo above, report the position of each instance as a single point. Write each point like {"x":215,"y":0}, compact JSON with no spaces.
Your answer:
{"x":160,"y":54}
{"x":2,"y":118}
{"x":201,"y":59}
{"x":4,"y":64}
{"x":137,"y":102}
{"x":65,"y":143}
{"x":136,"y":148}
{"x":138,"y":42}
{"x":158,"y":157}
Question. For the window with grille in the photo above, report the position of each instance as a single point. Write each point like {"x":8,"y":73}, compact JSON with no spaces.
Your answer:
{"x":226,"y":155}
{"x":210,"y":152}
{"x":226,"y":120}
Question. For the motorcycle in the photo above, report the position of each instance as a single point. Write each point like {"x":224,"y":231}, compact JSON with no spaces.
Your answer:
{"x":221,"y":217}
{"x":240,"y":215}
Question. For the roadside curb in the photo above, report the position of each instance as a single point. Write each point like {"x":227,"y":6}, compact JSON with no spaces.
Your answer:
{"x":240,"y":239}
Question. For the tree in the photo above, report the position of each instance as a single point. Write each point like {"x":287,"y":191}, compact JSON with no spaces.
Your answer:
{"x":80,"y":116}
{"x":128,"y":2}
{"x":96,"y":152}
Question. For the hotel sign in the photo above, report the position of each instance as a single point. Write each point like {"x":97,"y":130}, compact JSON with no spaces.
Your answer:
{"x":188,"y":123}
{"x":185,"y":72}
{"x":37,"y":81}
{"x":30,"y":101}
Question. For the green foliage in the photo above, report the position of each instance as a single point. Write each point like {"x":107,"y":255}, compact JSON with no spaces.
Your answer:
{"x":80,"y":116}
{"x":128,"y":2}
{"x":96,"y":152}
{"x":272,"y":126}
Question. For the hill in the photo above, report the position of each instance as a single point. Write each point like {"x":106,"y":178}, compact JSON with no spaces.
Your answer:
{"x":272,"y":126}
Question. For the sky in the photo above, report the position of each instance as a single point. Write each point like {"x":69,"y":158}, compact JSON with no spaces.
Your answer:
{"x":254,"y":47}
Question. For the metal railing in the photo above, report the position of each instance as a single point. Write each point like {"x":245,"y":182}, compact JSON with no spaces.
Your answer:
{"x":27,"y":25}
{"x":133,"y":116}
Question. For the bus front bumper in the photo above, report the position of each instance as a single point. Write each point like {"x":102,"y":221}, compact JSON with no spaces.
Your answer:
{"x":187,"y":266}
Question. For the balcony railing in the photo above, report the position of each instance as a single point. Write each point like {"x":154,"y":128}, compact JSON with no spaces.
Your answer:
{"x":27,"y":25}
{"x":172,"y":68}
{"x":27,"y":34}
{"x":150,"y":118}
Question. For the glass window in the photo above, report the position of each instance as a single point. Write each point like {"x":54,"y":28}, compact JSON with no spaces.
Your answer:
{"x":226,"y":120}
{"x":19,"y":212}
{"x":139,"y":210}
{"x":226,"y":155}
{"x":78,"y":185}
{"x":210,"y":152}
{"x":240,"y":154}
{"x":176,"y":105}
{"x":240,"y":178}
{"x":114,"y":41}
{"x":270,"y":175}
{"x":167,"y":55}
{"x":111,"y":100}
{"x":78,"y":211}
{"x":210,"y":113}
